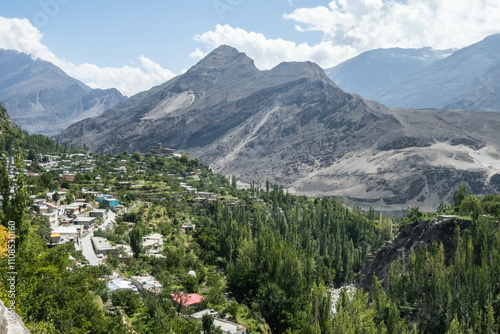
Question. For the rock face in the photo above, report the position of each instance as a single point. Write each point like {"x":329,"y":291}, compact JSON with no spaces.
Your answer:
{"x":9,"y":326}
{"x":294,"y":126}
{"x":378,"y":68}
{"x":413,"y":236}
{"x":469,"y":78}
{"x":5,"y":120}
{"x":41,"y":98}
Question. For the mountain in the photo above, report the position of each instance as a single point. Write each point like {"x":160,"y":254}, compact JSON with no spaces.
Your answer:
{"x":41,"y":98}
{"x":373,"y":69}
{"x":294,"y":126}
{"x":469,"y":78}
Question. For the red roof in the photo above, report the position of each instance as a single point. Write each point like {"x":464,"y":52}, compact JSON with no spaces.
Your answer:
{"x":191,"y":299}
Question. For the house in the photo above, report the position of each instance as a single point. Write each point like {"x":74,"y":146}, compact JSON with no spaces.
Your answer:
{"x":68,"y":177}
{"x":147,"y":283}
{"x":110,"y":202}
{"x":101,"y":198}
{"x":48,"y":211}
{"x":72,"y":209}
{"x":226,"y":326}
{"x":98,"y":213}
{"x":206,"y":194}
{"x":69,"y":233}
{"x":60,"y":194}
{"x":153,"y":241}
{"x":102,"y":245}
{"x":51,"y":217}
{"x":55,"y":238}
{"x":121,"y":169}
{"x":188,"y":226}
{"x":187,"y":300}
{"x":118,"y":284}
{"x":85,"y":221}
{"x":126,"y":249}
{"x":229,"y":327}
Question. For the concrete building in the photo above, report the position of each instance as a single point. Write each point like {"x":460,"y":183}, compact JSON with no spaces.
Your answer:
{"x":68,"y":177}
{"x":153,"y":241}
{"x":99,"y":214}
{"x":85,"y":221}
{"x":226,"y":326}
{"x":69,"y":233}
{"x":147,"y":283}
{"x":111,"y":202}
{"x":102,"y":245}
{"x":119,"y":284}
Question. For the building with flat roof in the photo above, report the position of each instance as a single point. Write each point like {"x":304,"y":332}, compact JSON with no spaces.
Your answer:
{"x":226,"y":326}
{"x":98,"y":213}
{"x":147,"y":283}
{"x":102,"y":245}
{"x":66,"y":233}
{"x":153,"y":241}
{"x":85,"y":221}
{"x":119,"y":284}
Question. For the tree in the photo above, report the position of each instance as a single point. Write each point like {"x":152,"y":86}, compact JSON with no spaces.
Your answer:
{"x":414,"y":215}
{"x":460,"y":194}
{"x":55,"y":197}
{"x":15,"y":206}
{"x":208,"y":325}
{"x":233,"y":181}
{"x":184,"y":158}
{"x":470,"y":205}
{"x":137,"y":156}
{"x":136,"y":241}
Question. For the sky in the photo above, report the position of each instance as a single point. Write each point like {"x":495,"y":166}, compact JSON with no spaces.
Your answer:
{"x":133,"y":46}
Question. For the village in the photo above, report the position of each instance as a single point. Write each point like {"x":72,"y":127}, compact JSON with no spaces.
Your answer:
{"x":84,"y":206}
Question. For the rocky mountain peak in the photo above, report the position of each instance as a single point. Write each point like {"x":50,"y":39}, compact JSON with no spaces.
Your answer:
{"x":304,"y":69}
{"x":224,"y":57}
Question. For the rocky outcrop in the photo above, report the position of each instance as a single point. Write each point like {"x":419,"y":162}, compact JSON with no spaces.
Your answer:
{"x":11,"y":323}
{"x":413,"y":236}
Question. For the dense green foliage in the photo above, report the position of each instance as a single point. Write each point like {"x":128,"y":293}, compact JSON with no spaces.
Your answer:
{"x":434,"y":293}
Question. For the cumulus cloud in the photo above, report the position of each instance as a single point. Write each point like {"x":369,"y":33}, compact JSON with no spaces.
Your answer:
{"x":22,"y":36}
{"x":267,"y":53}
{"x":369,"y":24}
{"x":197,"y":54}
{"x":350,"y":27}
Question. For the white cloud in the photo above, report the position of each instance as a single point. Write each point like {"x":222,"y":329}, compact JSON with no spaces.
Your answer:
{"x":22,"y":36}
{"x":267,"y":53}
{"x":369,"y":24}
{"x":350,"y":27}
{"x":197,"y":54}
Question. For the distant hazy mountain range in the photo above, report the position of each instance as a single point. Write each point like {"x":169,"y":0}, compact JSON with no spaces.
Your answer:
{"x":378,"y":68}
{"x":400,"y":78}
{"x":295,"y":126}
{"x":41,"y":98}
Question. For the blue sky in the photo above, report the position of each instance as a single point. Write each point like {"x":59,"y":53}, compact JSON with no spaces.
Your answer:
{"x":134,"y":45}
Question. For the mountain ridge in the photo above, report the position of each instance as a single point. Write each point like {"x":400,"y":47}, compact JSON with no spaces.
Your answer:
{"x":373,"y":69}
{"x":446,"y":82}
{"x":42,"y":98}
